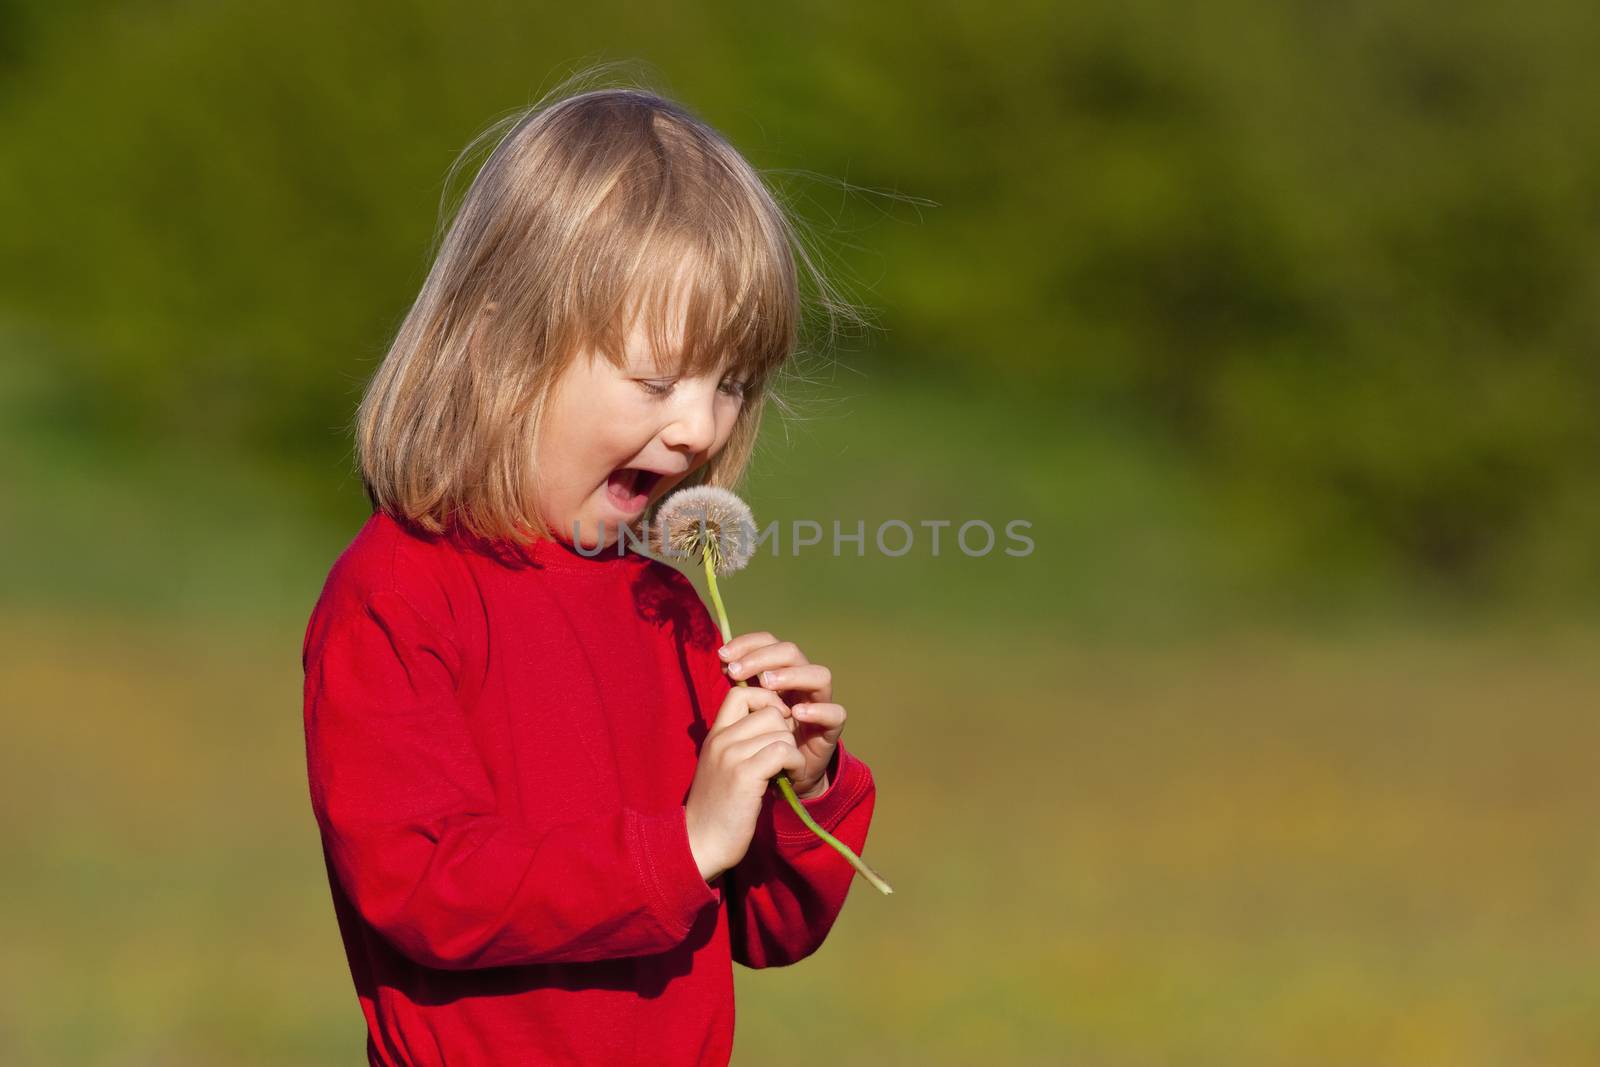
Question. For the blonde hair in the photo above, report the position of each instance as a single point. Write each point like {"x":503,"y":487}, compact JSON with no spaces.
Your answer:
{"x":581,"y":218}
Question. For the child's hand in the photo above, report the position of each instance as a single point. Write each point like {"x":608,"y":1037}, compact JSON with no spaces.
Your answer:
{"x":807,"y":687}
{"x":751,"y":740}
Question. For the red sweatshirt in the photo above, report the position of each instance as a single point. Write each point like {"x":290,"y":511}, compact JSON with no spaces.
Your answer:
{"x":499,"y":742}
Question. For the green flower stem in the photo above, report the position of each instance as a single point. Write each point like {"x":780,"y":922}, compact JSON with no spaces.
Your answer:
{"x":784,"y":785}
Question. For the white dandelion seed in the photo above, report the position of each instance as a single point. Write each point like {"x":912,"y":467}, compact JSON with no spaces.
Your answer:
{"x":707,"y":521}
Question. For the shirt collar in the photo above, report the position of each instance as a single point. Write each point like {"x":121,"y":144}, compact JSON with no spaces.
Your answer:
{"x":623,"y":555}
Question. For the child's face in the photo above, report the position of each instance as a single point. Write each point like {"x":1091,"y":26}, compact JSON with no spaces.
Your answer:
{"x":603,"y":427}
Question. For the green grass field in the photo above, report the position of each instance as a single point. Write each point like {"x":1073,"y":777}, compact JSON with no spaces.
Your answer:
{"x":1253,"y":850}
{"x":1124,"y":825}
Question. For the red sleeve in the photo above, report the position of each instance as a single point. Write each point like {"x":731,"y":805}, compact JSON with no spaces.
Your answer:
{"x":409,"y":817}
{"x":784,"y":896}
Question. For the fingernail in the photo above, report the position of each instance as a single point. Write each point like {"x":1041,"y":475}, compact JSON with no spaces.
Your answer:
{"x":768,"y":677}
{"x":725,"y":651}
{"x":802,"y":710}
{"x":733,"y":668}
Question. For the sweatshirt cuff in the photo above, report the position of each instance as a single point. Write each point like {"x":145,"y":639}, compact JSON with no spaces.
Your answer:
{"x":848,"y":781}
{"x":666,"y":865}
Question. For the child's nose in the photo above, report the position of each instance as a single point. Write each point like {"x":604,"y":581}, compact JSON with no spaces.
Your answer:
{"x":693,"y":426}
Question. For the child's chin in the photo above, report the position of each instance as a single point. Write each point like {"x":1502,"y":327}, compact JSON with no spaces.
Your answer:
{"x":604,"y":531}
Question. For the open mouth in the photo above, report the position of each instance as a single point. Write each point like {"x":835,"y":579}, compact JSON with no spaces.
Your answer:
{"x":629,"y":488}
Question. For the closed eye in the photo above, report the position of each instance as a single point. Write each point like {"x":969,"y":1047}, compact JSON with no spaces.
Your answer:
{"x":663,"y":386}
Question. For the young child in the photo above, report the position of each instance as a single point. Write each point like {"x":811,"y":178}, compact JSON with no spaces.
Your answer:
{"x":544,"y":806}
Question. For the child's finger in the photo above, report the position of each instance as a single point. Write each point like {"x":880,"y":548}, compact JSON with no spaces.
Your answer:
{"x":772,"y":718}
{"x":768,"y":657}
{"x":741,"y":701}
{"x":744,"y":643}
{"x":830,"y":717}
{"x":749,"y":746}
{"x":812,"y":678}
{"x":778,"y":756}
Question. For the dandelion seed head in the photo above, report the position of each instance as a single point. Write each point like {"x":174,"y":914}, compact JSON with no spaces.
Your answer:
{"x":707,"y":520}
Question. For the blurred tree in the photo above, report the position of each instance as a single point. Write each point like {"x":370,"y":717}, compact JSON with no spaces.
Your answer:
{"x":1343,"y":254}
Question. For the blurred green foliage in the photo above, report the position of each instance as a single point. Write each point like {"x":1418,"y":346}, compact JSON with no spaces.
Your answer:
{"x":1340,"y":258}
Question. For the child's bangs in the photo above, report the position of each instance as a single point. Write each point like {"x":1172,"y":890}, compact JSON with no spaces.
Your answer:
{"x":708,"y":306}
